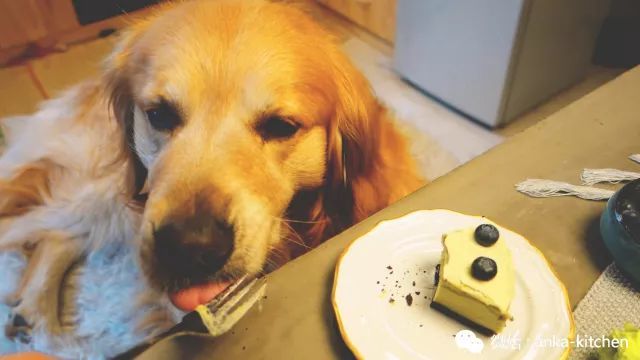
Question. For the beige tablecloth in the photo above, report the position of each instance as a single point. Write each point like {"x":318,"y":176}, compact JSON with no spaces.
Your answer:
{"x":611,"y":302}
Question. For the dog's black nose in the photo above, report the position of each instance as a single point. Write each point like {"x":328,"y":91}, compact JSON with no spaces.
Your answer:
{"x":193,"y":249}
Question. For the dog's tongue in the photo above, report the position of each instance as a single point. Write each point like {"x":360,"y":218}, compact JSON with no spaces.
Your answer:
{"x":188,"y":299}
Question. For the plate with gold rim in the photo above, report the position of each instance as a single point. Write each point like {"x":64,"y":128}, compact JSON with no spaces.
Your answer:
{"x":384,"y":283}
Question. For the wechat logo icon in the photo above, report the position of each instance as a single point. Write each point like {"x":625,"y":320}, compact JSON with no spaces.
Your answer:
{"x":466,"y":339}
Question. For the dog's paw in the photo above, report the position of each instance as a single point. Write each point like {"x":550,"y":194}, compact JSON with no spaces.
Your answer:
{"x":27,"y":314}
{"x":12,"y":300}
{"x":18,"y":328}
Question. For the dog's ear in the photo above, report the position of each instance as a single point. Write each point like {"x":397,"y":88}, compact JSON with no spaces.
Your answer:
{"x":119,"y":69}
{"x":369,"y":163}
{"x":354,"y":147}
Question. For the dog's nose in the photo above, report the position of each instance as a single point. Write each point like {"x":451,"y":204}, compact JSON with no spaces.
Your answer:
{"x":195,"y":248}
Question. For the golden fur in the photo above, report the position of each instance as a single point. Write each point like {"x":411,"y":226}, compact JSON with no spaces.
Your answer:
{"x":227,"y":67}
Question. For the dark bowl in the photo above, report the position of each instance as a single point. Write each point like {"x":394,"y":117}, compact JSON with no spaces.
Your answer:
{"x":620,"y":228}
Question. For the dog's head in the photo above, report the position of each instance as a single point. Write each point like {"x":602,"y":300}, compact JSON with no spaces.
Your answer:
{"x":245,"y":121}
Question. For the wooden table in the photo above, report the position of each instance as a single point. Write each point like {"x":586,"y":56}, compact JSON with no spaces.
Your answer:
{"x":296,"y":321}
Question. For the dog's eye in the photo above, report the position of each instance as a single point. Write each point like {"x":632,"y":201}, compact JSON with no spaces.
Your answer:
{"x":275,"y":127}
{"x":163,"y":117}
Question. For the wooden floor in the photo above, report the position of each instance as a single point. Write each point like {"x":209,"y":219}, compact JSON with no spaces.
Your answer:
{"x":23,"y":87}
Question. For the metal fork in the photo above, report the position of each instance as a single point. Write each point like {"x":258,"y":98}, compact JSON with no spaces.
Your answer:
{"x":216,"y":317}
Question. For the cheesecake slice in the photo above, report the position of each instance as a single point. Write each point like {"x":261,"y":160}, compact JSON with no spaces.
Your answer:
{"x":476,"y":279}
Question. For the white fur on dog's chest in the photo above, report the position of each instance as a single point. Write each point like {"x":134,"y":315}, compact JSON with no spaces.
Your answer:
{"x":93,"y":209}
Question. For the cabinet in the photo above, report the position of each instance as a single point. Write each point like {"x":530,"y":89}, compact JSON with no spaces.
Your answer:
{"x":377,"y":16}
{"x":26,"y":21}
{"x":495,"y":59}
{"x":47,"y":24}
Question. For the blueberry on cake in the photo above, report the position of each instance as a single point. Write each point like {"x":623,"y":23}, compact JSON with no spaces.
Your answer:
{"x":475,"y":279}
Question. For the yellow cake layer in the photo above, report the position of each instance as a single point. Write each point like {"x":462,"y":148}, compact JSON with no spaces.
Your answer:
{"x":485,"y":303}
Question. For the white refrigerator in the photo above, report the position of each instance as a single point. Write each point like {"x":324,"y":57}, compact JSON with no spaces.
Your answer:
{"x":494,"y":59}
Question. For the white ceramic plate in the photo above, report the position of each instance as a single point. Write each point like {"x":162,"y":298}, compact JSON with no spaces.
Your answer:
{"x":375,"y":328}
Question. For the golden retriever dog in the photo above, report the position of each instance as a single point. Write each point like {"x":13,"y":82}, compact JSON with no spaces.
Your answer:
{"x":223,"y":138}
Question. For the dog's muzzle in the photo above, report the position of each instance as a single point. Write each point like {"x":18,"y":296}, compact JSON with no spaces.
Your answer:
{"x":193,"y":249}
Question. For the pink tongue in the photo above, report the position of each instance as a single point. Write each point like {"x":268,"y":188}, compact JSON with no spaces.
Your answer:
{"x":188,"y":299}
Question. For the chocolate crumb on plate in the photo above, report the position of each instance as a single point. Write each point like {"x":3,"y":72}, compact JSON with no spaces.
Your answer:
{"x":391,"y":300}
{"x":417,"y":292}
{"x":409,"y":299}
{"x":389,"y":267}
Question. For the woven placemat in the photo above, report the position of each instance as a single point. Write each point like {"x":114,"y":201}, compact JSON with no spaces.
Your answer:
{"x":611,"y":302}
